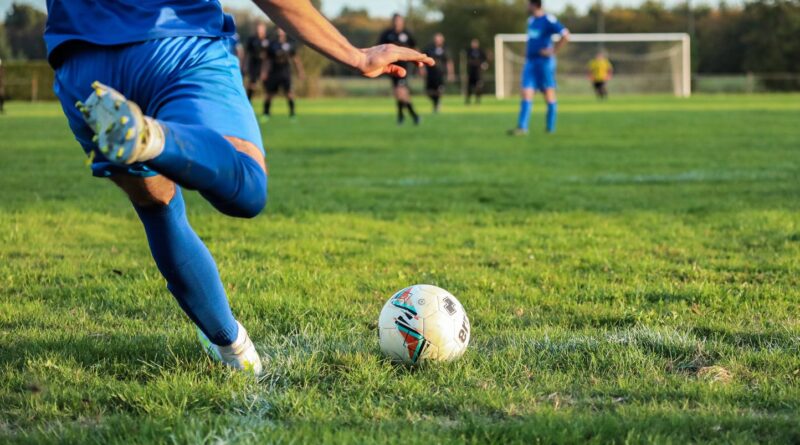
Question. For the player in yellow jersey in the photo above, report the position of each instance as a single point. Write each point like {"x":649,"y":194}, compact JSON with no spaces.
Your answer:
{"x":600,"y":72}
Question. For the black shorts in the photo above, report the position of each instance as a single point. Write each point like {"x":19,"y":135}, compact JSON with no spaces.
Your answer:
{"x":599,"y":85}
{"x":276,"y":82}
{"x":399,"y":81}
{"x":254,"y":72}
{"x":434,"y":82}
{"x":474,"y":78}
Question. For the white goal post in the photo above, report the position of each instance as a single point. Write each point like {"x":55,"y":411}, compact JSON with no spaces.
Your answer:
{"x":669,"y":67}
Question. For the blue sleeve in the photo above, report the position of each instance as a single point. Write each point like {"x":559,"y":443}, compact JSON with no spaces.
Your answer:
{"x":556,"y":27}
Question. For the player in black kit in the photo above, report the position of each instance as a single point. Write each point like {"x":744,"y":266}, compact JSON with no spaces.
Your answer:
{"x":281,"y":55}
{"x":398,"y":35}
{"x":255,"y":53}
{"x":436,"y":75}
{"x":477,"y":63}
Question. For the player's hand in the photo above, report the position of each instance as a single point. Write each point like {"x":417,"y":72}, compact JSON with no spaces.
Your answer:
{"x":547,"y":52}
{"x":379,"y":60}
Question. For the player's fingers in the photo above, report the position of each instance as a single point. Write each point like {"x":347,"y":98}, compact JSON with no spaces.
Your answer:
{"x":396,"y":71}
{"x":409,"y":55}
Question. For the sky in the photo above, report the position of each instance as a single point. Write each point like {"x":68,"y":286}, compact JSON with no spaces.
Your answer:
{"x":376,"y":7}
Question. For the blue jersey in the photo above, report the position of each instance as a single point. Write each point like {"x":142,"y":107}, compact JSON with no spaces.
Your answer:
{"x":116,"y":22}
{"x":540,"y":34}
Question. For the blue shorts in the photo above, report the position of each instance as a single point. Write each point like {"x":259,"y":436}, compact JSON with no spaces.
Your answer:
{"x":539,"y":74}
{"x":188,"y":80}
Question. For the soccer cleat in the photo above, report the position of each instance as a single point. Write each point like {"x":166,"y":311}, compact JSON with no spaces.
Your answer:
{"x":122,"y":133}
{"x":518,"y":132}
{"x":241,"y":355}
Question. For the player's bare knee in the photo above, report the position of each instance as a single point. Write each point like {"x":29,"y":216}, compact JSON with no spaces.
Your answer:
{"x":156,"y":191}
{"x":249,"y":149}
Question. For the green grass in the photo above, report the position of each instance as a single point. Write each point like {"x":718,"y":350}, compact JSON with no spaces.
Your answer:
{"x":632,"y":279}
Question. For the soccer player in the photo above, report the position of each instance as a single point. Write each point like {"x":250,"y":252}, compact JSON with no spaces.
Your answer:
{"x":398,"y":35}
{"x":281,"y":55}
{"x":255,"y":53}
{"x":477,"y":63}
{"x":436,"y":75}
{"x":167,"y":111}
{"x":539,"y":72}
{"x":600,"y":72}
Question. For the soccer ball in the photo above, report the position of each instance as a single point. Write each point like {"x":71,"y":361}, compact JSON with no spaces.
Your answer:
{"x":423,"y":323}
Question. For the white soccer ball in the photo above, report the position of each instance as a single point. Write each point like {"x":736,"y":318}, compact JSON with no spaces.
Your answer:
{"x":423,"y":323}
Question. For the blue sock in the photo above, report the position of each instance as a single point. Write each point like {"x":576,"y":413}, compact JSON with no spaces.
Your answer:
{"x":189,"y":269}
{"x":201,"y":159}
{"x":525,"y":108}
{"x":552,"y":109}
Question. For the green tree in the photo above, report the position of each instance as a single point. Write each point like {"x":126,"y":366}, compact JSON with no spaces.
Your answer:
{"x":5,"y":48}
{"x":24,"y":30}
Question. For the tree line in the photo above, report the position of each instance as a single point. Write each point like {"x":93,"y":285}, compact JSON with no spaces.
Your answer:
{"x":761,"y":36}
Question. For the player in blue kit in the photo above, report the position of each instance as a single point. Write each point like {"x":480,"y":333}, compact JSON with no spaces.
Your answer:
{"x":539,"y":72}
{"x":156,"y":99}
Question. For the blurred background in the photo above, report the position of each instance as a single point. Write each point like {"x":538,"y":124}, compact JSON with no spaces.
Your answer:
{"x":736,"y":47}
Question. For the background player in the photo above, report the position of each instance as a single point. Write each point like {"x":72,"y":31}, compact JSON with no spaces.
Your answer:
{"x":600,"y":72}
{"x":256,"y":53}
{"x":539,"y":72}
{"x":400,"y":36}
{"x":184,"y":122}
{"x":477,"y":63}
{"x":281,"y":55}
{"x":436,"y":75}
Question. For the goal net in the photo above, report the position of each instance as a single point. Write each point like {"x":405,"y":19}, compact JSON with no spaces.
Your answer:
{"x":643,"y":63}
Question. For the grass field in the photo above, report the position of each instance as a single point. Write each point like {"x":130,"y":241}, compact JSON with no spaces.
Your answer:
{"x":632,"y":279}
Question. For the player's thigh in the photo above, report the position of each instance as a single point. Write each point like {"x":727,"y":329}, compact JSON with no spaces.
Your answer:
{"x":210,"y":93}
{"x":550,"y":95}
{"x":73,"y":80}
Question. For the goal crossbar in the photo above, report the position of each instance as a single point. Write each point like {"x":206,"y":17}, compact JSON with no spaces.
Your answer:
{"x":682,"y":38}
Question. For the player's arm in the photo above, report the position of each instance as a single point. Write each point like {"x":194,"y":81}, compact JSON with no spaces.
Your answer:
{"x":302,"y":20}
{"x":240,"y":55}
{"x":298,"y":66}
{"x":562,"y":41}
{"x":451,"y":70}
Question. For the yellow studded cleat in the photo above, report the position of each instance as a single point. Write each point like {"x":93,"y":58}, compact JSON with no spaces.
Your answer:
{"x":119,"y":123}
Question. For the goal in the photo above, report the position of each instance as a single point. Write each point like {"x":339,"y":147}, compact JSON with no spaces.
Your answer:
{"x":643,"y":63}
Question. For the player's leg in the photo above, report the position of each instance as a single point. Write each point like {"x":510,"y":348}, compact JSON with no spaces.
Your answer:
{"x":526,"y":102}
{"x":290,"y":98}
{"x":433,"y":95}
{"x":270,"y":90}
{"x":192,"y":110}
{"x":432,"y":90}
{"x":266,"y":112}
{"x":185,"y":262}
{"x":252,"y":81}
{"x":552,"y":109}
{"x":400,"y":96}
{"x":405,"y":94}
{"x":478,"y":90}
{"x":190,"y":270}
{"x":548,"y":86}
